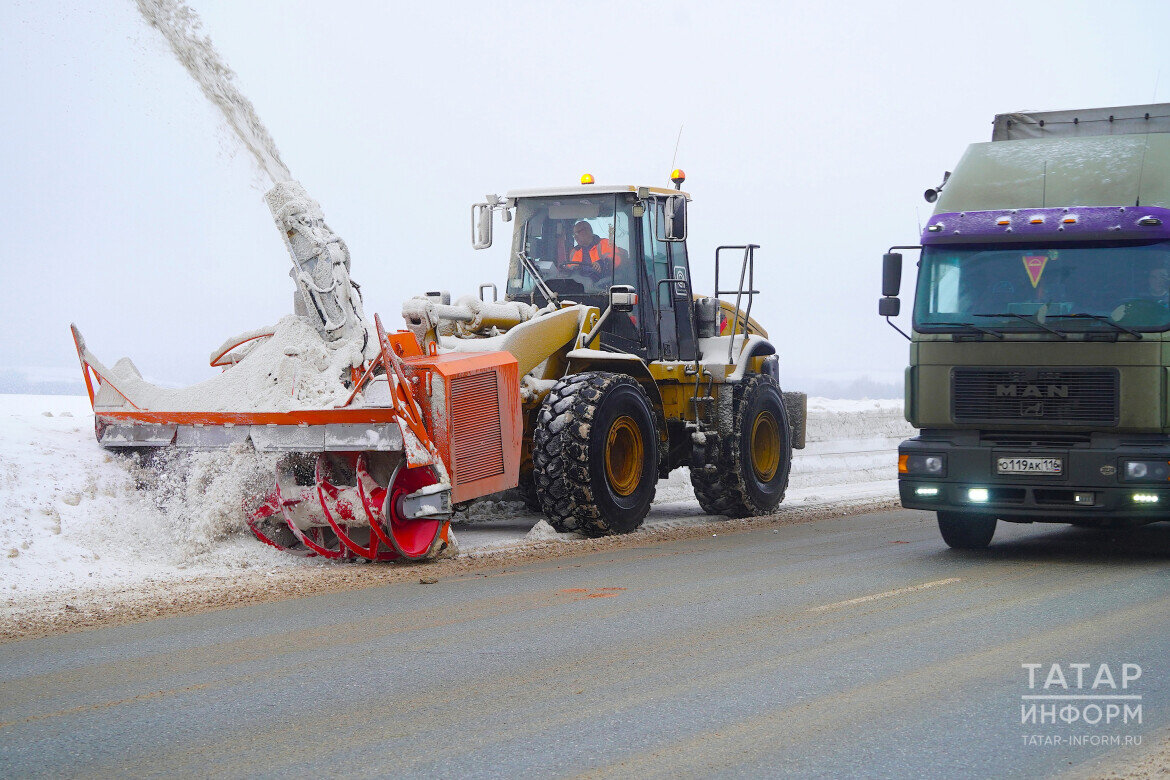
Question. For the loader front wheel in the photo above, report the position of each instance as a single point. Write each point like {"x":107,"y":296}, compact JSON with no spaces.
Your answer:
{"x":595,"y":454}
{"x":749,"y":471}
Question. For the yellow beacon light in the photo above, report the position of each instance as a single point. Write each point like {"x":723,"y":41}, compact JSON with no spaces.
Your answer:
{"x":678,"y":177}
{"x":587,"y":178}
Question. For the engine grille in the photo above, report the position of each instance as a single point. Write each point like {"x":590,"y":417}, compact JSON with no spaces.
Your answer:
{"x":475,"y":427}
{"x":1051,"y":396}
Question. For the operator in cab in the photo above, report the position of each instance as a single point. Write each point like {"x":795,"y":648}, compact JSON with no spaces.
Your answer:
{"x":596,"y":257}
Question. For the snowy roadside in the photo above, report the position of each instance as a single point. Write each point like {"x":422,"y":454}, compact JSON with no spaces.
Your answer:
{"x":78,"y":523}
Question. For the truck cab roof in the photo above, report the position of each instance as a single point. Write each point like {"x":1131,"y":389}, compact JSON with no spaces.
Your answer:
{"x":1089,"y":158}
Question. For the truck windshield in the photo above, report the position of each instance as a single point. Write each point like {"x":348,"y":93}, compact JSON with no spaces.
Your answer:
{"x":1073,"y":287}
{"x":579,"y":244}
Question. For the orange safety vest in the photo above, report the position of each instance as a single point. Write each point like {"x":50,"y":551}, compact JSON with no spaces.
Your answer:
{"x":602,"y":249}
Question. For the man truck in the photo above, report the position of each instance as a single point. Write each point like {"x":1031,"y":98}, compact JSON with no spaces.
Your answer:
{"x":1039,"y":374}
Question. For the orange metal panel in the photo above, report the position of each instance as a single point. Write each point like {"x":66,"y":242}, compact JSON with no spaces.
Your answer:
{"x":471,"y":401}
{"x":404,"y":343}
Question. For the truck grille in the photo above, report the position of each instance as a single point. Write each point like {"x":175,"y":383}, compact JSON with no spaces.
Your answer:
{"x":1051,"y":396}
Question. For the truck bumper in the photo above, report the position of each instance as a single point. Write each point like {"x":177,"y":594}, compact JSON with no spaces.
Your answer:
{"x":1089,"y":489}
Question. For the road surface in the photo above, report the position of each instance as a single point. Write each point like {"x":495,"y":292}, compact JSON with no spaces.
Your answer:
{"x":858,"y":646}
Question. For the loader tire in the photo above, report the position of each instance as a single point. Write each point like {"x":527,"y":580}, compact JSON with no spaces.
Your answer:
{"x":595,"y":454}
{"x":749,"y":471}
{"x":527,"y":489}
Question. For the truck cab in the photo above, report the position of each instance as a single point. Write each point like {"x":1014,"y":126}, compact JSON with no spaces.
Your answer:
{"x":1039,"y":357}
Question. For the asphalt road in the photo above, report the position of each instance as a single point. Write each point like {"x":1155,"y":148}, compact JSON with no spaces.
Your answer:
{"x":846,"y":647}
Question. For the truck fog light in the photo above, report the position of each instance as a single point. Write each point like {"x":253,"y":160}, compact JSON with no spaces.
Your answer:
{"x":1145,"y":498}
{"x":926,"y":492}
{"x":978,"y":495}
{"x":1083,"y":498}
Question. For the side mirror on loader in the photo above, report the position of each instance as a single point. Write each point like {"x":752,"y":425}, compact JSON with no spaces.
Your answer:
{"x":676,"y":218}
{"x":481,"y":220}
{"x":622,"y":297}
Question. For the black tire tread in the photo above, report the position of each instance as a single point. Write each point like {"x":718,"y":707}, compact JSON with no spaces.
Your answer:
{"x":723,"y":489}
{"x":560,"y":451}
{"x":962,"y":531}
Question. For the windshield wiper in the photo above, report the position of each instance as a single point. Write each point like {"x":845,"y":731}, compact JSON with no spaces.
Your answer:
{"x":969,"y":326}
{"x":1084,"y":315}
{"x":1036,"y":321}
{"x":530,"y":266}
{"x":522,"y":255}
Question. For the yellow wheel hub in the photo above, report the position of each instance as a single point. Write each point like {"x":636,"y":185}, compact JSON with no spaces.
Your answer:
{"x":623,"y":456}
{"x":765,"y":446}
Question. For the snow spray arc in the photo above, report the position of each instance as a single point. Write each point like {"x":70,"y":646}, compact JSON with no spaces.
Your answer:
{"x":320,"y":258}
{"x":181,"y":27}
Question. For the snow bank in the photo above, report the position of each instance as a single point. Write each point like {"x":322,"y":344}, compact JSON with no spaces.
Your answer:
{"x":75,"y":516}
{"x":72,"y":514}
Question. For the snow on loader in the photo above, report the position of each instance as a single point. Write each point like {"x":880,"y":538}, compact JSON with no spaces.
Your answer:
{"x":598,"y":373}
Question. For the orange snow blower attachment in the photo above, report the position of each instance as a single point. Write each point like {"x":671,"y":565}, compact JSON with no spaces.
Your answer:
{"x":376,"y":477}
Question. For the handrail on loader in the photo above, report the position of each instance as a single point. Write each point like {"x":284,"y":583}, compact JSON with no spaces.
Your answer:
{"x":748,"y":269}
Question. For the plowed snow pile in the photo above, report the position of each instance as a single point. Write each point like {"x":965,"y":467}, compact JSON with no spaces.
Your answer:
{"x":73,"y":516}
{"x":293,"y":369}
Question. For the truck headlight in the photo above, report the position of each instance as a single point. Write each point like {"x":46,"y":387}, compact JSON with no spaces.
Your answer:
{"x":923,"y":465}
{"x":1145,"y":470}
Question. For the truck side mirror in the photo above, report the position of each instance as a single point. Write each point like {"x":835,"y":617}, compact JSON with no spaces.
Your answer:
{"x":891,"y":273}
{"x":676,"y":218}
{"x":889,"y":305}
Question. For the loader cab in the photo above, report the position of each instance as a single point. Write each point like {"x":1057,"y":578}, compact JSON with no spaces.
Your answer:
{"x":583,"y":240}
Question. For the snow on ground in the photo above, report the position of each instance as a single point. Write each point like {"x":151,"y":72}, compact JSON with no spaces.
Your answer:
{"x":850,"y":455}
{"x":75,"y":517}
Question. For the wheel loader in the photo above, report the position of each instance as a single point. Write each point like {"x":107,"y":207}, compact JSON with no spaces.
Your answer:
{"x":597,"y":373}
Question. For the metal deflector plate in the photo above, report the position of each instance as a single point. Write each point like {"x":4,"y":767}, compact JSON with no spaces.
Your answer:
{"x":210,"y":436}
{"x":333,"y":437}
{"x":363,"y":437}
{"x":139,"y":435}
{"x":288,"y":438}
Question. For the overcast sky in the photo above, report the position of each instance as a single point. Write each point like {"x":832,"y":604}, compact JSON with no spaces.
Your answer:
{"x":809,"y":128}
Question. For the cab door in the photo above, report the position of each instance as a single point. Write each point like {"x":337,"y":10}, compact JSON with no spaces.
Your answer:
{"x":656,"y":262}
{"x":668,"y":268}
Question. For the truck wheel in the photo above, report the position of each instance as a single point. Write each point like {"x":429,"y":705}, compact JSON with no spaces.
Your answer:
{"x":966,"y":532}
{"x":752,"y":463}
{"x":595,"y":454}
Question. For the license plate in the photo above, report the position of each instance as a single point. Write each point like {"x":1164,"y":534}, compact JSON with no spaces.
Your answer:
{"x":1029,"y":465}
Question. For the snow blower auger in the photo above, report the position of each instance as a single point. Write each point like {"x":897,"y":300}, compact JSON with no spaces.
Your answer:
{"x":376,"y":477}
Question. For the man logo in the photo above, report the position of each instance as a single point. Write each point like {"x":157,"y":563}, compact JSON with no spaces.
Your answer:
{"x":1032,"y":409}
{"x":1031,"y":391}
